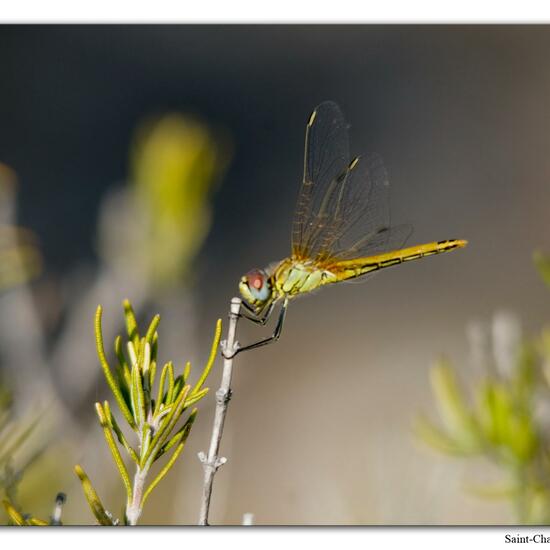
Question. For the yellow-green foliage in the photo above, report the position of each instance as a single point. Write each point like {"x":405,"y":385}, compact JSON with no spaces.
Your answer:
{"x":20,"y":259}
{"x":542,"y":262}
{"x":175,"y":163}
{"x":16,"y":457}
{"x":17,"y":518}
{"x":151,"y":414}
{"x":499,"y":419}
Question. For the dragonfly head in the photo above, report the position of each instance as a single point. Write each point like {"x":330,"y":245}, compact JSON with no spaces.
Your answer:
{"x":255,"y":288}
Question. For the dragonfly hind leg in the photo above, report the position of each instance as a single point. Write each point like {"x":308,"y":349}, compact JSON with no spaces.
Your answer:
{"x":276,"y":333}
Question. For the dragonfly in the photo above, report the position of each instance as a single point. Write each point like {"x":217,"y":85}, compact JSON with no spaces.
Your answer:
{"x":341,"y":229}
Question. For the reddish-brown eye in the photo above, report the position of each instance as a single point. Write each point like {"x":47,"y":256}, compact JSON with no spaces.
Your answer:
{"x":255,"y":279}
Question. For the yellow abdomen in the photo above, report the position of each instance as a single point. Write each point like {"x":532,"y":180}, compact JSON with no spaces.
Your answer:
{"x":349,"y":269}
{"x":293,"y":277}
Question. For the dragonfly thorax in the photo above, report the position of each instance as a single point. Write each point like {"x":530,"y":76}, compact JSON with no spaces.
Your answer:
{"x":293,"y":277}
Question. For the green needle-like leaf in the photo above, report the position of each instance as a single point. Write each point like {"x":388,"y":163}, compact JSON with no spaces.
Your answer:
{"x":146,"y":359}
{"x":152,"y":373}
{"x":93,"y":499}
{"x":114,"y":450}
{"x":38,"y":522}
{"x":122,"y":362}
{"x":178,"y":436}
{"x":160,"y":391}
{"x":186,"y":371}
{"x":170,"y":393}
{"x":152,"y":329}
{"x":167,"y":425}
{"x":211,"y":358}
{"x":107,"y":371}
{"x":196,"y":397}
{"x":141,"y":354}
{"x":120,"y":436}
{"x":170,"y":462}
{"x":132,"y":354}
{"x":131,"y":323}
{"x":138,"y":397}
{"x":13,"y":514}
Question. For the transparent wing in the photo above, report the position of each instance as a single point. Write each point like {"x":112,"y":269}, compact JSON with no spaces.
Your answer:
{"x":343,"y":207}
{"x":326,"y":159}
{"x":393,"y":238}
{"x":361,"y":224}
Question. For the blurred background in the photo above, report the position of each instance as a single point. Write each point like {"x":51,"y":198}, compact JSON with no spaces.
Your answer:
{"x":160,"y":163}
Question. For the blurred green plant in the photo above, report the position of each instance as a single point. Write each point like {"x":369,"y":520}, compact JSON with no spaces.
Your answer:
{"x":500,"y":419}
{"x":151,"y":415}
{"x":175,"y":162}
{"x":542,"y":263}
{"x":20,"y":259}
{"x":17,"y":518}
{"x":16,"y":456}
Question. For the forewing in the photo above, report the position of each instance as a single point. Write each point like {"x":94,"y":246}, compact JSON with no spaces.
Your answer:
{"x":343,"y":208}
{"x":326,"y":161}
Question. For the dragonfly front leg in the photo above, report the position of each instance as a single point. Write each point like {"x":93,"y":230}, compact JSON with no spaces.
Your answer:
{"x":276,"y":333}
{"x":260,"y":319}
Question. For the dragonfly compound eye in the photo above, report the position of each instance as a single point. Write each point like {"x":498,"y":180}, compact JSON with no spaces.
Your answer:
{"x":254,"y":286}
{"x":255,"y":280}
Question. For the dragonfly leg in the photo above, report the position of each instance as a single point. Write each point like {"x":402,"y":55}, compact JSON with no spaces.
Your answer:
{"x":247,"y":306}
{"x":254,"y":317}
{"x":276,"y":333}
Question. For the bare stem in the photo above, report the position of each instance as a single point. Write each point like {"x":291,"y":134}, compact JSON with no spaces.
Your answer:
{"x":134,"y":508}
{"x":212,"y":461}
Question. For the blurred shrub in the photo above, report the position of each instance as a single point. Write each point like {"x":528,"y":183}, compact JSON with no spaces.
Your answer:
{"x":504,"y":417}
{"x":20,"y":259}
{"x":160,"y":224}
{"x":16,"y":455}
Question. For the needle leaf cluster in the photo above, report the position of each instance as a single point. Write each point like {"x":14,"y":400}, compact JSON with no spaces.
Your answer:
{"x":151,"y":401}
